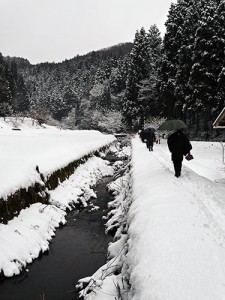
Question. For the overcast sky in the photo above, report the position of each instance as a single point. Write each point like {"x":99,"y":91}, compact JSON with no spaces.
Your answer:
{"x":55,"y":30}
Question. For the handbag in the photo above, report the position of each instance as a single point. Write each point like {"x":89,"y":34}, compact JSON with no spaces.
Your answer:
{"x":189,"y":156}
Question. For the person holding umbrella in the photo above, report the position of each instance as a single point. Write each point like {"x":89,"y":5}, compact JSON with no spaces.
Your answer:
{"x":178,"y":143}
{"x":150,"y":137}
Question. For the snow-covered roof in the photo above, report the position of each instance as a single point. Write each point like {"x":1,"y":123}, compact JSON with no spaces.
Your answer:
{"x":220,"y":120}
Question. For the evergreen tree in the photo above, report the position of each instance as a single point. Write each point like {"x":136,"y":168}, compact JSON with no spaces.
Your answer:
{"x":141,"y":98}
{"x":208,"y":58}
{"x":5,"y":92}
{"x":190,"y":12}
{"x":178,"y":44}
{"x":116,"y":80}
{"x":155,"y":49}
{"x":191,"y":74}
{"x":138,"y":71}
{"x":155,"y":60}
{"x":20,"y":101}
{"x":168,"y":70}
{"x":100,"y":96}
{"x":219,"y":101}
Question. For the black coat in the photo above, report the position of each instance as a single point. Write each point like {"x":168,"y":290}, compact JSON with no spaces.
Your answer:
{"x":150,"y":136}
{"x":142,"y":135}
{"x":179,"y":145}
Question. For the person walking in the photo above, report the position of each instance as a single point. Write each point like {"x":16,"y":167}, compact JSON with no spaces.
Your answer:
{"x":179,"y":145}
{"x":150,"y":137}
{"x":142,"y":135}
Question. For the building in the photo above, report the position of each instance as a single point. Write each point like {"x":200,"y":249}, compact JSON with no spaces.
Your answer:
{"x":220,"y":120}
{"x":220,"y":123}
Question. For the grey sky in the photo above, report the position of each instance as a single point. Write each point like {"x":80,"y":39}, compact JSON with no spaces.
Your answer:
{"x":55,"y":30}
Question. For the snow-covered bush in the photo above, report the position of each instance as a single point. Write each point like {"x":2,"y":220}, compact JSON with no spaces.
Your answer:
{"x":111,"y":279}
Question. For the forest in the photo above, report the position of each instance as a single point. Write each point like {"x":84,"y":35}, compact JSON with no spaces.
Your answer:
{"x":180,"y":75}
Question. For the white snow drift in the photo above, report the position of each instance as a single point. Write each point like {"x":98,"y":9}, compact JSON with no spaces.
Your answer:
{"x":48,"y":148}
{"x":176,"y":230}
{"x":29,"y":234}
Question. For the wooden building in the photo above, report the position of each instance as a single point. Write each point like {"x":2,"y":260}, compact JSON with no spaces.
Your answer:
{"x":220,"y":120}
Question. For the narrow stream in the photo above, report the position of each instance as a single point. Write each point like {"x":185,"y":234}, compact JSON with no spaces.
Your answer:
{"x":78,"y":250}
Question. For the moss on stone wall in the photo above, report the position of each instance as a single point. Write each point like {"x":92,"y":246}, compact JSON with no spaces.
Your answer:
{"x":21,"y":199}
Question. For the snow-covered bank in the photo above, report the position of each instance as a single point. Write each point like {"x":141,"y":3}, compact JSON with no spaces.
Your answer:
{"x":77,"y":189}
{"x":176,"y":228}
{"x":174,"y":245}
{"x":109,"y":282}
{"x":48,"y":148}
{"x":23,"y":238}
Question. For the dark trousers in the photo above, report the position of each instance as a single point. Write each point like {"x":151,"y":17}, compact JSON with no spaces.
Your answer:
{"x":177,"y":167}
{"x":149,"y":144}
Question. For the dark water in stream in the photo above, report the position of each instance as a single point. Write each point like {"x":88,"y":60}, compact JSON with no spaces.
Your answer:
{"x":78,"y":250}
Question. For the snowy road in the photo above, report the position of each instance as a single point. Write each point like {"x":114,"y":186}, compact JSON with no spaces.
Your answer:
{"x":177,"y":225}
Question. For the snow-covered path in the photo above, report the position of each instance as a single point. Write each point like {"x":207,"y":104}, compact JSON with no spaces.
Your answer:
{"x":177,"y":225}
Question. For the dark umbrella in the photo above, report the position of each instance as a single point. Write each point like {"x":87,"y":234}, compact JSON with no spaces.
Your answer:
{"x":172,"y":125}
{"x":149,"y":129}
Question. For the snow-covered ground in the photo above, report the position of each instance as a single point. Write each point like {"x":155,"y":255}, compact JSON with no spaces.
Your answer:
{"x":177,"y":225}
{"x":175,"y":239}
{"x":24,"y":237}
{"x":173,"y":244}
{"x":47,"y":147}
